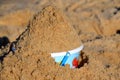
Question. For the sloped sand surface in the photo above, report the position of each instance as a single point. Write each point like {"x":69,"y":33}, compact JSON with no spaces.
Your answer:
{"x":40,"y":30}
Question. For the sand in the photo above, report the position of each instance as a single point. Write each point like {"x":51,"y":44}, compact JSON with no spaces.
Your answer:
{"x":14,"y":23}
{"x":96,"y":23}
{"x":49,"y":32}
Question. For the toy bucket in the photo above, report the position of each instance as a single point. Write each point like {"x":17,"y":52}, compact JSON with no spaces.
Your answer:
{"x":70,"y":57}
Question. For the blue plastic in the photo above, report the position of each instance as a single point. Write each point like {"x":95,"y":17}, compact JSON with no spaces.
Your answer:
{"x":65,"y":59}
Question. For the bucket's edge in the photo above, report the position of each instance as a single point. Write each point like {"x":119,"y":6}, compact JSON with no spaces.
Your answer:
{"x":71,"y":52}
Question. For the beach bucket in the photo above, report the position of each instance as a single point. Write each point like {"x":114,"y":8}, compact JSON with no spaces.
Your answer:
{"x":69,"y":57}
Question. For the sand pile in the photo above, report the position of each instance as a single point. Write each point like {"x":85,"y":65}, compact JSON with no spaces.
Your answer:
{"x":92,"y":19}
{"x":49,"y":32}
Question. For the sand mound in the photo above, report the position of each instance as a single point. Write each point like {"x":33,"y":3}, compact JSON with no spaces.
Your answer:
{"x":49,"y":32}
{"x":92,"y":19}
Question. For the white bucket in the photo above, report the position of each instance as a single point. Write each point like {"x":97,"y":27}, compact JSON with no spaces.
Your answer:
{"x":67,"y":57}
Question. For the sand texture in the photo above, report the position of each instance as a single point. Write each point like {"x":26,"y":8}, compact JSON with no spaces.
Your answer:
{"x":37,"y":28}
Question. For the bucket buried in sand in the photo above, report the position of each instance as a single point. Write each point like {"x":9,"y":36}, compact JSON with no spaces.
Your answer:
{"x":70,"y":57}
